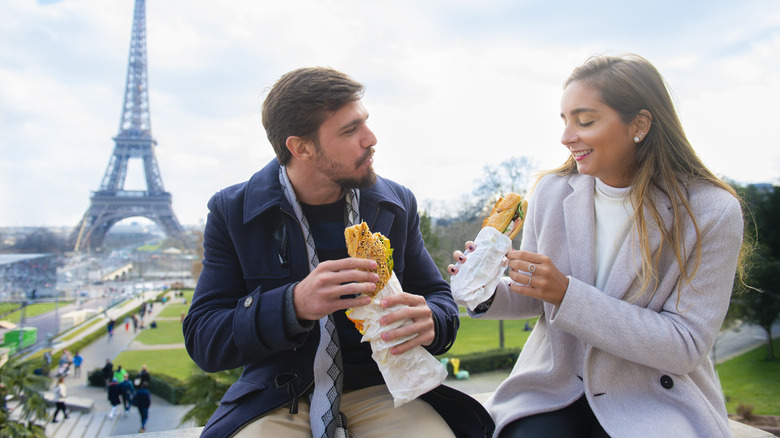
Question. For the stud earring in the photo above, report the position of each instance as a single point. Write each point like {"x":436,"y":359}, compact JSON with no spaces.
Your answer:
{"x":638,"y":137}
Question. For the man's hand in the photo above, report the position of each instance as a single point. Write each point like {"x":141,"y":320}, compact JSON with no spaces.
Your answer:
{"x":320,"y":293}
{"x":416,"y":309}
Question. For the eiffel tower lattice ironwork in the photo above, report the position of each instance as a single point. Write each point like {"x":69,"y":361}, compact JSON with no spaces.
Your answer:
{"x":112,"y":203}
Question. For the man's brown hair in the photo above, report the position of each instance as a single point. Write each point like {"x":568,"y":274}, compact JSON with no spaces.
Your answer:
{"x":299,"y":101}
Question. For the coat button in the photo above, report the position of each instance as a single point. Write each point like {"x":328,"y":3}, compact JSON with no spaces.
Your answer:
{"x":248,"y":301}
{"x":667,"y":382}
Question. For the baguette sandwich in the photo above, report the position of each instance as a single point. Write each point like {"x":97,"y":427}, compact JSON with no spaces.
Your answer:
{"x":361,"y":243}
{"x":507,"y":215}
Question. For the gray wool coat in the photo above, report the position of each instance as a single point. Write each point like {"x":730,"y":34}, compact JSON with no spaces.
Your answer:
{"x":643,"y":365}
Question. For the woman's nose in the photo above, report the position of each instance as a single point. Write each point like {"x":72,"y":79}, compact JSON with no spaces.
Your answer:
{"x":568,"y":137}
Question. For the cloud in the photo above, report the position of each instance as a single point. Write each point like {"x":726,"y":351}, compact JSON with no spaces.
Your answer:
{"x":451,"y":86}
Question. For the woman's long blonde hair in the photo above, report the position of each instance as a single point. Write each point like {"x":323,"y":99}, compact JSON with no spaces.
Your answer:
{"x":664,"y":157}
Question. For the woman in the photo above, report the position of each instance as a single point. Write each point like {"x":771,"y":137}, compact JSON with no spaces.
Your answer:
{"x":60,"y":394}
{"x":628,"y":258}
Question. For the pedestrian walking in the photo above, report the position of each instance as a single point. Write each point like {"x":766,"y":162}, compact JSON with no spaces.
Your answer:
{"x":120,"y":374}
{"x":142,"y":401}
{"x":135,"y":323}
{"x":47,"y":362}
{"x":144,"y":376}
{"x":110,"y":328}
{"x":108,"y":372}
{"x":77,"y":360}
{"x":127,"y":392}
{"x":60,"y":394}
{"x":114,"y":397}
{"x":127,"y":324}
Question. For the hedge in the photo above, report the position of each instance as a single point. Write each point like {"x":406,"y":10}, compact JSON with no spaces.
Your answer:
{"x":485,"y":361}
{"x":169,"y":388}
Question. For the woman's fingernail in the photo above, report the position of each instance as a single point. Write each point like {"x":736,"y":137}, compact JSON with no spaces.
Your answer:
{"x":461,"y":258}
{"x":471,"y":248}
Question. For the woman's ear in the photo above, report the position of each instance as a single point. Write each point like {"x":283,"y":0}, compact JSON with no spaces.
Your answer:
{"x":299,"y":148}
{"x":642,"y":123}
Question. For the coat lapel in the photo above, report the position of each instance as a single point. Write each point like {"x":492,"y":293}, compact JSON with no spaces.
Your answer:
{"x":580,"y":220}
{"x":626,"y":268}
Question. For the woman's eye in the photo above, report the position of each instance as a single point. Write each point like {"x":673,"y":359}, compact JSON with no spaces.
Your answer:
{"x":586,"y":123}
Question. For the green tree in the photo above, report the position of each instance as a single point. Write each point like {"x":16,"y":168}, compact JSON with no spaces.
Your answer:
{"x":205,"y":390}
{"x":27,"y":406}
{"x":758,"y":302}
{"x":426,"y":228}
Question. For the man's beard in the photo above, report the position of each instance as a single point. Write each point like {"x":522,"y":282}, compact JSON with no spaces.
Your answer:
{"x":335,"y":170}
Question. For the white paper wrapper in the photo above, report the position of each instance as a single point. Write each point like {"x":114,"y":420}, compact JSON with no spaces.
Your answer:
{"x":476,"y":279}
{"x":407,"y":375}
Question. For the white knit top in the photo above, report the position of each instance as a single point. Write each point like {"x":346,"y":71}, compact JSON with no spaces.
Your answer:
{"x":613,"y":216}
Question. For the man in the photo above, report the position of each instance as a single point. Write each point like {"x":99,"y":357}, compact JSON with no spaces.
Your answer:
{"x":142,"y":401}
{"x":108,"y":372}
{"x":77,"y":360}
{"x":276,"y":277}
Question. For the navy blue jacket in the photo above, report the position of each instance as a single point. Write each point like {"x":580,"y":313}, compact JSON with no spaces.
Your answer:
{"x":253,"y":251}
{"x":142,"y":399}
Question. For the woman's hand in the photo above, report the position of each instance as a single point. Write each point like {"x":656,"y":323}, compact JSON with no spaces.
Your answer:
{"x":460,"y":257}
{"x":536,"y":276}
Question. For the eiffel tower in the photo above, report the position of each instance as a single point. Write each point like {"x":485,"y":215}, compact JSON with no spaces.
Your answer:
{"x":112,"y":203}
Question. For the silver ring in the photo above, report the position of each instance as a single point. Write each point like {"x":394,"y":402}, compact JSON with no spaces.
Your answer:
{"x":532,"y":268}
{"x":530,"y":277}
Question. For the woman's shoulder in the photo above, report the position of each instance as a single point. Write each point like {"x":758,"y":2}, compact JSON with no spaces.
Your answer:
{"x":709,"y":200}
{"x":705,"y":195}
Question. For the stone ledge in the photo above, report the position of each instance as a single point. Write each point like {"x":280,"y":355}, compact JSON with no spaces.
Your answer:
{"x":738,"y":429}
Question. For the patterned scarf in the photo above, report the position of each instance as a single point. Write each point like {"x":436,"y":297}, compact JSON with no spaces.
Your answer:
{"x":326,"y":420}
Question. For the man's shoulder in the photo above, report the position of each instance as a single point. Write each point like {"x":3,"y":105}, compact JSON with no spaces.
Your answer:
{"x":387,"y":190}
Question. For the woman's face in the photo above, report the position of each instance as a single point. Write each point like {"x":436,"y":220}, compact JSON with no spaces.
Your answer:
{"x":599,"y":141}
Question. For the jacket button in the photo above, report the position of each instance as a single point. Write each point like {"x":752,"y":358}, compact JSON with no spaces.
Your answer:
{"x":248,"y":301}
{"x":667,"y":382}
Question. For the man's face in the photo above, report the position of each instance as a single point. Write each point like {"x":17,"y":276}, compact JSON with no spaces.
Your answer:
{"x":345,"y":147}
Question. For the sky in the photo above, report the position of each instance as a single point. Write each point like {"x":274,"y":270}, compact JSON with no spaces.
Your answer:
{"x":451,"y":87}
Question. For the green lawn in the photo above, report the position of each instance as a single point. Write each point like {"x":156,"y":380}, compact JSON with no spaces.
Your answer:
{"x":35,"y":310}
{"x":750,"y":379}
{"x":174,"y":362}
{"x":7,"y":307}
{"x":477,"y":335}
{"x":167,"y":332}
{"x":173,"y":310}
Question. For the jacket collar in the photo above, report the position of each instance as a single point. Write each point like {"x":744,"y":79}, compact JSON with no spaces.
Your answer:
{"x":579,"y":217}
{"x":263,"y":192}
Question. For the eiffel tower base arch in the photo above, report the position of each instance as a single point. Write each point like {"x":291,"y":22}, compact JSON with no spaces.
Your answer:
{"x":107,"y":209}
